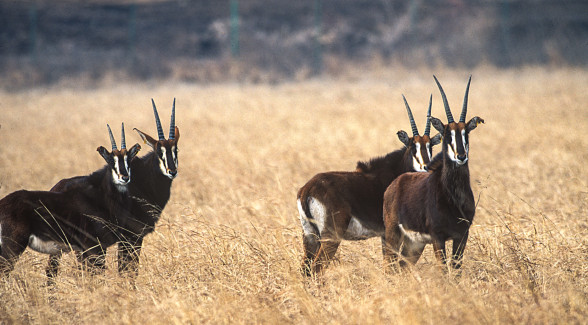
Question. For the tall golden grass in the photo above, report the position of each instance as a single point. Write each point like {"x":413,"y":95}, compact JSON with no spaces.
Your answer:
{"x":228,"y":246}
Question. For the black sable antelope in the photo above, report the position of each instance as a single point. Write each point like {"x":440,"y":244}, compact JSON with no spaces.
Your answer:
{"x":425,"y":208}
{"x":348,"y":205}
{"x":85,"y":219}
{"x":149,"y":190}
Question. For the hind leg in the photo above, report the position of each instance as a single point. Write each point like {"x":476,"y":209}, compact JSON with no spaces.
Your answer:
{"x":412,"y":251}
{"x":311,"y":245}
{"x":93,"y":260}
{"x":52,"y":267}
{"x":325,"y":254}
{"x":14,"y":243}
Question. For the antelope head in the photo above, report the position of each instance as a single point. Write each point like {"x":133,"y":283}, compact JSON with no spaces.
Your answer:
{"x":456,"y":135}
{"x":119,"y":160}
{"x":166,"y":150}
{"x":420,"y":147}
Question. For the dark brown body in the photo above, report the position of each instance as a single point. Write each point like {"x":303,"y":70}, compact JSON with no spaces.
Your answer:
{"x":421,"y":209}
{"x":148,"y":191}
{"x":86,"y":219}
{"x":346,"y":205}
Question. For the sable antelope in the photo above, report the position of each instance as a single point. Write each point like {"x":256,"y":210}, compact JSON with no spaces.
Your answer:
{"x":424,"y":208}
{"x":85,"y":219}
{"x":149,"y":189}
{"x":348,"y":205}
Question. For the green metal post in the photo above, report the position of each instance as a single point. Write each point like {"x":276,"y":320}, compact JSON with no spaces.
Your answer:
{"x":33,"y":31}
{"x":132,"y":32}
{"x":318,"y":26}
{"x":234,"y":28}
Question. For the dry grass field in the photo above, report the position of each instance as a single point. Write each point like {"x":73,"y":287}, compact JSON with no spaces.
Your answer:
{"x":228,"y":247}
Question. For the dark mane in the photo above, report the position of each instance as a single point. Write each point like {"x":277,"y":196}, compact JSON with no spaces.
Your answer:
{"x":436,"y":162}
{"x":383,"y":162}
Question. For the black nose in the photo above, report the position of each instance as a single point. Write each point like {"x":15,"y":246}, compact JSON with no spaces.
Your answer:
{"x":125,"y":178}
{"x":173,"y":172}
{"x":426,"y":168}
{"x":461,"y":157}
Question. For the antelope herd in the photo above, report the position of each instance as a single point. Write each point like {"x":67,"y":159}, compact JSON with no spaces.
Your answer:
{"x":409,"y":198}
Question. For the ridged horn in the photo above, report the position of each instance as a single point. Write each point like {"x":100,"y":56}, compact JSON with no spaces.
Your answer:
{"x":111,"y":138}
{"x":172,"y":123}
{"x":157,"y":122}
{"x":123,"y":144}
{"x":445,"y":103}
{"x":428,"y":123}
{"x":464,"y":109}
{"x":415,"y":131}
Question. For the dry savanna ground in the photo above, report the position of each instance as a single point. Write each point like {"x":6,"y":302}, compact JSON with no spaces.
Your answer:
{"x":228,"y":246}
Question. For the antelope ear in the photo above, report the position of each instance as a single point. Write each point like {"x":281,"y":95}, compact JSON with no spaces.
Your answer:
{"x":436,"y":140}
{"x":177,"y":134}
{"x":437,"y":124}
{"x":146,"y":138}
{"x":134,"y":151}
{"x":473,"y":123}
{"x":104,"y":153}
{"x":403,"y":137}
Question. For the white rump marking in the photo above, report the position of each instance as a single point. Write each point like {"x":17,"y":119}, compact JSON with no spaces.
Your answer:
{"x":317,"y":216}
{"x":415,"y":236}
{"x":356,"y":231}
{"x":47,"y":247}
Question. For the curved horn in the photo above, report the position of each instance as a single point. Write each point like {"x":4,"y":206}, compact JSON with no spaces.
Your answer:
{"x":172,"y":123}
{"x":111,"y":138}
{"x":464,"y":109}
{"x":415,"y":131}
{"x":157,"y":122}
{"x":428,"y":123}
{"x":123,"y":144}
{"x":445,"y":103}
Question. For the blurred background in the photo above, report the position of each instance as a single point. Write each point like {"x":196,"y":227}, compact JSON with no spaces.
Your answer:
{"x":100,"y":41}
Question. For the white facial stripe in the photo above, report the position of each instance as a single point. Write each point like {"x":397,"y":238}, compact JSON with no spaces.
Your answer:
{"x":429,"y":150}
{"x":417,"y":160}
{"x":163,"y":161}
{"x":453,"y":147}
{"x":465,"y":144}
{"x":174,"y":156}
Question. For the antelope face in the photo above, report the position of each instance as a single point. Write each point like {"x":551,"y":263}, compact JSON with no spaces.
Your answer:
{"x":456,"y":134}
{"x":119,"y":162}
{"x":167,"y":153}
{"x":166,"y":150}
{"x":420,"y":148}
{"x":456,"y":138}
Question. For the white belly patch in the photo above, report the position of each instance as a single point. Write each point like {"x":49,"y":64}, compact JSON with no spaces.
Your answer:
{"x":356,"y":231}
{"x":48,"y":247}
{"x":318,"y":213}
{"x":416,"y":237}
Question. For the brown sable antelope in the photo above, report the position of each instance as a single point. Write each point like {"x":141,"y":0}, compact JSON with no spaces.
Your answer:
{"x":348,"y":205}
{"x":85,"y":219}
{"x":149,"y":189}
{"x":425,"y":208}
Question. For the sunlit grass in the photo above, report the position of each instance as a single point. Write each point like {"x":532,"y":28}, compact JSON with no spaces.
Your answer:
{"x":228,"y":246}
